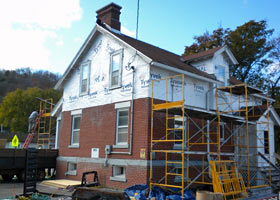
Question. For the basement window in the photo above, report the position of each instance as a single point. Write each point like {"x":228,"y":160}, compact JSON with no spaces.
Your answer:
{"x":116,"y":68}
{"x":84,"y":78}
{"x":118,"y":174}
{"x":71,"y":169}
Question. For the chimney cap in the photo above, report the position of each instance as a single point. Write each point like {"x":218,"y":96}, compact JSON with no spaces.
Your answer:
{"x":109,"y":5}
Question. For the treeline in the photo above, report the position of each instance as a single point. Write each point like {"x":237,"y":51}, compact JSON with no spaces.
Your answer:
{"x":25,"y":78}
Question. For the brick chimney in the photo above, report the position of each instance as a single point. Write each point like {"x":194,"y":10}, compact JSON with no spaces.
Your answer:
{"x":110,"y":15}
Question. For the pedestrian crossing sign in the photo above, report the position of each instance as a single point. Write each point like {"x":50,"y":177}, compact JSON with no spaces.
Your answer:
{"x":15,"y":141}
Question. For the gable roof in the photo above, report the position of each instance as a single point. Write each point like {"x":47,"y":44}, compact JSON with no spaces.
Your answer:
{"x":210,"y":53}
{"x":203,"y":54}
{"x":152,"y":52}
{"x":160,"y":55}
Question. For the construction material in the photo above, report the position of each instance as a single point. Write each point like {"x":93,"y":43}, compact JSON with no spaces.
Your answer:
{"x":61,"y":183}
{"x":227,"y":180}
{"x":84,"y":193}
{"x":87,"y":183}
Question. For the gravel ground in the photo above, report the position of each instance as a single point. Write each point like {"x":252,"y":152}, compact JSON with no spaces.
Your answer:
{"x":14,"y":188}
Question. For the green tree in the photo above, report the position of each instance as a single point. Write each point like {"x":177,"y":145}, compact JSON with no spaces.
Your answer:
{"x":250,"y":45}
{"x":273,"y":73}
{"x":17,"y":106}
{"x":25,"y":78}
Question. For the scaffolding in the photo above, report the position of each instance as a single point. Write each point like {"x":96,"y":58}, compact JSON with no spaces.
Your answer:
{"x":185,"y":139}
{"x":44,"y":127}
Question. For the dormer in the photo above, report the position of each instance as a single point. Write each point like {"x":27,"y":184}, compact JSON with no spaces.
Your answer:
{"x":214,"y":61}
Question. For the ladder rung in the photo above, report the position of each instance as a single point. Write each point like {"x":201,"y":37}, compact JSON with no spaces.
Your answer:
{"x":174,"y":162}
{"x":174,"y":174}
{"x":170,"y":129}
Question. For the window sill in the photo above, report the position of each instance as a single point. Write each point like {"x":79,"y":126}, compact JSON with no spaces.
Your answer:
{"x":74,"y":146}
{"x":120,"y":146}
{"x":119,"y":179}
{"x":81,"y":95}
{"x":115,"y":87}
{"x":71,"y":173}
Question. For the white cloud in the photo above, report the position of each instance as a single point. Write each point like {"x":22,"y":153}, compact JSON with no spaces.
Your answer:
{"x":77,"y":40}
{"x":27,"y":25}
{"x":130,"y":33}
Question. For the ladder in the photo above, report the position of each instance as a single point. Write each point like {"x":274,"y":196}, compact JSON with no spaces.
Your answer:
{"x":227,"y":180}
{"x":30,"y":174}
{"x":32,"y":133}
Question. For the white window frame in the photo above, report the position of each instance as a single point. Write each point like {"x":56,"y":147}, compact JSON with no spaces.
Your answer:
{"x":86,"y":64}
{"x":222,"y":131}
{"x":75,"y":145}
{"x":118,"y":177}
{"x":71,"y":169}
{"x":179,"y":145}
{"x":118,"y":52}
{"x":121,"y":144}
{"x":220,"y":78}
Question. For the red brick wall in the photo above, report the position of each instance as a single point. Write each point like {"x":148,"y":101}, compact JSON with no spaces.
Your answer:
{"x":134,"y":174}
{"x":97,"y":129}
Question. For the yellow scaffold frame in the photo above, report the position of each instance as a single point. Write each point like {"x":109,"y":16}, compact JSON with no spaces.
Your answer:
{"x":235,"y":116}
{"x":247,"y":111}
{"x":167,"y":106}
{"x":44,"y":127}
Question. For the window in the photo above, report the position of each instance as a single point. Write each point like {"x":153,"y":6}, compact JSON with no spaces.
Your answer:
{"x":222,"y":131}
{"x":178,"y":124}
{"x":220,"y":73}
{"x":71,"y":169}
{"x":179,"y":177}
{"x":118,"y":174}
{"x":116,"y":68}
{"x":75,"y":139}
{"x":266,"y":142}
{"x":84,"y":82}
{"x":122,"y":127}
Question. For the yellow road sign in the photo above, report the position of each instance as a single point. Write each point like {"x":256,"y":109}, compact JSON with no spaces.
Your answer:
{"x":15,"y":141}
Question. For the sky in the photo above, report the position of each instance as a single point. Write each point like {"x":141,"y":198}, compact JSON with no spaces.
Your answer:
{"x":47,"y":34}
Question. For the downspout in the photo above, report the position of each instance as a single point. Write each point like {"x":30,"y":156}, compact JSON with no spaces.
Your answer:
{"x":208,"y":128}
{"x":131,"y":111}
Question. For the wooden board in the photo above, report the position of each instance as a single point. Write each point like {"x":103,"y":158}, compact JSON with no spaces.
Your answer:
{"x":61,"y":183}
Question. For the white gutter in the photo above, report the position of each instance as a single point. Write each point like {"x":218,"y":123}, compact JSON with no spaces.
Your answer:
{"x":180,"y":71}
{"x":263,"y":97}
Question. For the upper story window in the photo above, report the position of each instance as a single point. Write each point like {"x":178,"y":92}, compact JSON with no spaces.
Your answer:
{"x":116,"y":68}
{"x":220,"y":73}
{"x":84,"y":82}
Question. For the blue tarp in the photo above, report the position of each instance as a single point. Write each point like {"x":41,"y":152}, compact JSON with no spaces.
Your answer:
{"x":187,"y":196}
{"x":137,"y":191}
{"x":157,"y":193}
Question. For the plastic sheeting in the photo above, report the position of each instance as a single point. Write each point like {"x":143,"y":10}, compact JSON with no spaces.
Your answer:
{"x":137,"y":191}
